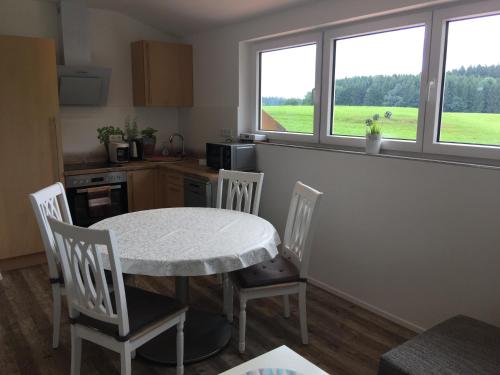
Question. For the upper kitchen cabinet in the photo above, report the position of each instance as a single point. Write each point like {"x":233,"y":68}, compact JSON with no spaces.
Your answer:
{"x":162,"y":74}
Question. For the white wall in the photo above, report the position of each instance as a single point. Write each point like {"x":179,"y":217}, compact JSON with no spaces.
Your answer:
{"x":110,"y":36}
{"x":414,"y":239}
{"x":417,"y":241}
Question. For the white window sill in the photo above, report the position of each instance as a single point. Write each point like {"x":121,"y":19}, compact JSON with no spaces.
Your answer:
{"x":404,"y":155}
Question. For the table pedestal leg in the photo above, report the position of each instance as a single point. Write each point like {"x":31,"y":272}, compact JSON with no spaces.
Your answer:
{"x":205,"y":334}
{"x":182,"y":289}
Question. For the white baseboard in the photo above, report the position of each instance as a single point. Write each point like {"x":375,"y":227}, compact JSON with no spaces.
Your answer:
{"x":367,"y":306}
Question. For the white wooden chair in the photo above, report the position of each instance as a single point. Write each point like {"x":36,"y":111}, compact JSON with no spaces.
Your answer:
{"x":51,"y":201}
{"x":242,"y":191}
{"x":120,"y":320}
{"x":287,"y":273}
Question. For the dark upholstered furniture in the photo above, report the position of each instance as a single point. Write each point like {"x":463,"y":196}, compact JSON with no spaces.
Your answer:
{"x":458,"y":346}
{"x":145,"y":310}
{"x":274,"y":271}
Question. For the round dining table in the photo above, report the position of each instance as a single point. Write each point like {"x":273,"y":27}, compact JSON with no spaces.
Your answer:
{"x":185,"y":242}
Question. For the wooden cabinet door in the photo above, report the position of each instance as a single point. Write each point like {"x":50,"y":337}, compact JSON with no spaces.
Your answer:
{"x":162,"y":74}
{"x":141,"y":185}
{"x":30,"y":145}
{"x":170,"y":189}
{"x":161,"y":191}
{"x":170,"y":73}
{"x":175,"y":196}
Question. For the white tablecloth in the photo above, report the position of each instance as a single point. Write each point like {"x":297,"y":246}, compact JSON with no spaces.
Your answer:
{"x":190,"y":241}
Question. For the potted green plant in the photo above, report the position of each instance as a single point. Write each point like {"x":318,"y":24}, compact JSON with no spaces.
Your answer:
{"x":105,"y":132}
{"x":134,"y":141}
{"x":131,"y":130}
{"x":149,"y":140}
{"x":373,"y":136}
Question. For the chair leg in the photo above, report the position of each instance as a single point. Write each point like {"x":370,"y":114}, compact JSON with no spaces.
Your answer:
{"x":126,"y":359}
{"x":243,"y":322}
{"x":228,"y":297}
{"x":56,"y":314}
{"x":180,"y":347}
{"x":76,"y":352}
{"x":303,"y":313}
{"x":286,"y":305}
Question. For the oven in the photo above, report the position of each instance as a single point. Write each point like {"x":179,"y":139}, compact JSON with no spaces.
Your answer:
{"x":94,"y":197}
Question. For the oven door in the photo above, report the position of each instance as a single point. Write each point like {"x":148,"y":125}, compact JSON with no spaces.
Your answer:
{"x":88,"y":205}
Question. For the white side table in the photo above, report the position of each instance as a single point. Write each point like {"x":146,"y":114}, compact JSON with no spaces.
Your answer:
{"x":282,"y":357}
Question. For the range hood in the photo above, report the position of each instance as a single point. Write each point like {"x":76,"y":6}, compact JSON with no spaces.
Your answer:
{"x":80,"y":83}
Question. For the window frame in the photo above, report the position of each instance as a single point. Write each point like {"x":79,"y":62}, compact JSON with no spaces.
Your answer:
{"x":284,"y":43}
{"x":432,"y":79}
{"x":368,"y":28}
{"x":441,"y":17}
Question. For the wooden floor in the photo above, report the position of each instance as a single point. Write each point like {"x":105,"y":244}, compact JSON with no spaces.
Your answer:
{"x":344,"y":338}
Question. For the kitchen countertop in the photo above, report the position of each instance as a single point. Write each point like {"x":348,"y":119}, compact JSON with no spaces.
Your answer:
{"x":186,"y":166}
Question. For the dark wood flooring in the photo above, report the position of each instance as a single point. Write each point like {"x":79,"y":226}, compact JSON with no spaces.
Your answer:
{"x":344,"y":338}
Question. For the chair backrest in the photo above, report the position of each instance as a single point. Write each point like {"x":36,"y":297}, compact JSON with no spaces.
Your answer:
{"x":50,"y":201}
{"x":80,"y":251}
{"x":299,"y":226}
{"x":242,"y":191}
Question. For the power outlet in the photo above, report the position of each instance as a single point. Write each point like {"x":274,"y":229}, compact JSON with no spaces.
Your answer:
{"x":226,"y":133}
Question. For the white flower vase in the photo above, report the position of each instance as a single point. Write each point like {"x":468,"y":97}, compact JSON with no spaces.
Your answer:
{"x":373,"y":143}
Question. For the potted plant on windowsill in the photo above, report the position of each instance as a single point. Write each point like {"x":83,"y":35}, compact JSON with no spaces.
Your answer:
{"x":149,"y":141}
{"x":104,"y":133}
{"x":373,"y":135}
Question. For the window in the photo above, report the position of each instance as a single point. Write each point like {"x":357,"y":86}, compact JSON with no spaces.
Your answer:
{"x":470,"y":110}
{"x":431,"y":80}
{"x":288,"y":74}
{"x":463,"y":114}
{"x":377,"y":76}
{"x":377,"y":70}
{"x":287,"y":80}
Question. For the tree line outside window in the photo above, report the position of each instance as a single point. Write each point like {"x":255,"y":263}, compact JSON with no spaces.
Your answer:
{"x":473,"y":90}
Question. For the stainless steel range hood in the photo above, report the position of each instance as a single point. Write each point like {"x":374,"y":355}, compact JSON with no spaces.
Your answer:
{"x":80,"y":83}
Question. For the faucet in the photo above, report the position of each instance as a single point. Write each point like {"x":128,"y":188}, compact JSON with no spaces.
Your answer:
{"x":171,"y":139}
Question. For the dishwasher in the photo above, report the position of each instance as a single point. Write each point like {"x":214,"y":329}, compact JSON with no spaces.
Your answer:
{"x":198,"y":192}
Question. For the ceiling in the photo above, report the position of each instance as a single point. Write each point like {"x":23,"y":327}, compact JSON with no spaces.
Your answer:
{"x":184,"y":17}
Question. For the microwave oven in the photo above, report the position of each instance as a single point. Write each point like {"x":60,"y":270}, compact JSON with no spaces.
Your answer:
{"x":234,"y":156}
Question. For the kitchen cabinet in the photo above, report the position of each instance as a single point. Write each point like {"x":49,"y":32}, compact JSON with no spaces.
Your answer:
{"x":162,"y":74}
{"x":171,"y":189}
{"x":30,"y":145}
{"x":141,"y":187}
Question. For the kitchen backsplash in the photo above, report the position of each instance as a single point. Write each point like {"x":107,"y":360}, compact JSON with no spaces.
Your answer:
{"x":79,"y":128}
